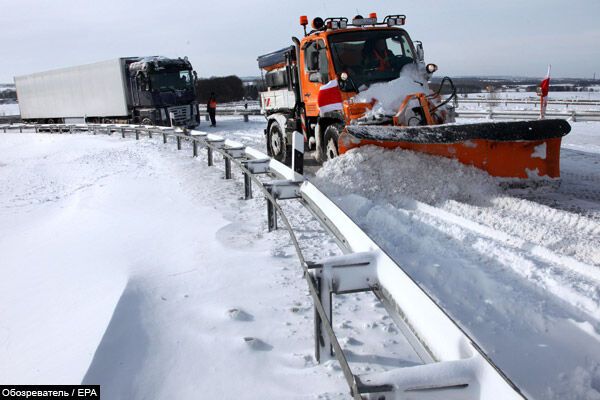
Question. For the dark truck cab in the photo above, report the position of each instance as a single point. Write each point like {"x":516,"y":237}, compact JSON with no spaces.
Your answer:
{"x":163,"y":91}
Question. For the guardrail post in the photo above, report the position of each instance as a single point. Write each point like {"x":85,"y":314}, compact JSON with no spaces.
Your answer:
{"x":164,"y":137}
{"x":150,"y":133}
{"x":323,"y":348}
{"x":195,"y":148}
{"x":178,"y":142}
{"x":35,"y":129}
{"x":246,"y":118}
{"x":123,"y":133}
{"x":210,"y":156}
{"x":573,"y":116}
{"x":206,"y":117}
{"x":227,"y":168}
{"x":247,"y":186}
{"x":137,"y":134}
{"x":20,"y":129}
{"x":254,"y":167}
{"x":217,"y":143}
{"x":271,"y":216}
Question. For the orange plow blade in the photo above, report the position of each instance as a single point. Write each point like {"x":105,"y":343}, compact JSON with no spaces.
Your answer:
{"x":520,"y":149}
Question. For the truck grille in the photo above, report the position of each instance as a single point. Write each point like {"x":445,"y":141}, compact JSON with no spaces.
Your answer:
{"x":181,"y":114}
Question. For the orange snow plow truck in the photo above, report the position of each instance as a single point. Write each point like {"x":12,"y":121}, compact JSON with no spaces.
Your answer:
{"x":349,"y":84}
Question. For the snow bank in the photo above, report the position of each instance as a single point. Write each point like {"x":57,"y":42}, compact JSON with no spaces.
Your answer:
{"x":394,"y":176}
{"x":390,"y":95}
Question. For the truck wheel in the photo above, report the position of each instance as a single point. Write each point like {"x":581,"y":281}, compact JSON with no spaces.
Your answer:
{"x":332,"y":134}
{"x":147,"y":121}
{"x":277,"y":144}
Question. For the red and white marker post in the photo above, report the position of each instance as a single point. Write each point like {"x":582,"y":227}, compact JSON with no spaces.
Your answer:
{"x":543,"y":93}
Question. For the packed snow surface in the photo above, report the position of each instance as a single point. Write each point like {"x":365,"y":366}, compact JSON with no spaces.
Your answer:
{"x":519,"y":269}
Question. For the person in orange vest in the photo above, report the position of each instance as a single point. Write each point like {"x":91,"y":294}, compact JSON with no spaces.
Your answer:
{"x":211,"y":108}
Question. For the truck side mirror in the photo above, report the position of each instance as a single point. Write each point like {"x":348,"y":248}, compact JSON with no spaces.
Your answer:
{"x":420,"y":51}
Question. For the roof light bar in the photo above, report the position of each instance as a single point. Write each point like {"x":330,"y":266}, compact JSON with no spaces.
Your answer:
{"x":395,"y":20}
{"x":364,"y":21}
{"x":336,"y":23}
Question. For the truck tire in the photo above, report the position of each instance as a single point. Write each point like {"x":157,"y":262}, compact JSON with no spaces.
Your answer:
{"x":278,"y":144}
{"x":330,"y":141}
{"x":147,"y":121}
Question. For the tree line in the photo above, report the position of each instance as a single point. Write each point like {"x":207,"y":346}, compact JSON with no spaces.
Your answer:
{"x":226,"y":89}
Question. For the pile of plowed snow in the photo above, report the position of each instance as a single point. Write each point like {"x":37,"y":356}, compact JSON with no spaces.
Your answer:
{"x":395,"y":175}
{"x":390,"y":95}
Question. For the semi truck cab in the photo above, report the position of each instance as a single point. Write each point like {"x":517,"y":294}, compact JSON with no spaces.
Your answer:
{"x":163,"y":91}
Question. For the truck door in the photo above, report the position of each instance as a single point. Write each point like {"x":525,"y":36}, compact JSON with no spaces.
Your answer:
{"x":315,"y":73}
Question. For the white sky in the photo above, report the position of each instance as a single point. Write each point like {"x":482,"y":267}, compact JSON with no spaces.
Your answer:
{"x":464,"y":37}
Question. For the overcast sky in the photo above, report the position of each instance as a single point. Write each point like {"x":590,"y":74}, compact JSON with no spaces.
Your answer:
{"x":223,"y":37}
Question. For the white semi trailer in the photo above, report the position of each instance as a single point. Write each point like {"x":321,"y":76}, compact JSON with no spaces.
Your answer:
{"x":149,"y":90}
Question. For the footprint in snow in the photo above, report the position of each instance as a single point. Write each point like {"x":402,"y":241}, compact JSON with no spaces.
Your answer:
{"x":257,"y":344}
{"x":350,"y":341}
{"x":237,"y":314}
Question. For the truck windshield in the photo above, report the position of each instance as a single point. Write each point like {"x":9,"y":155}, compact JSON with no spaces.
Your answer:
{"x":177,"y":80}
{"x":371,"y":56}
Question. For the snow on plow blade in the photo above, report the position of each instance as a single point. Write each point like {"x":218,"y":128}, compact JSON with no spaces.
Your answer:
{"x":519,"y":149}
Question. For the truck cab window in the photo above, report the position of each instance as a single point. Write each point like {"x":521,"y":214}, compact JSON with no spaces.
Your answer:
{"x":166,"y":81}
{"x":315,"y":61}
{"x":371,"y":56}
{"x":311,"y":57}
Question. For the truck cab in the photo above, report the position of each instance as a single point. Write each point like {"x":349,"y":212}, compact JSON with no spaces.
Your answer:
{"x":355,"y":55}
{"x":163,"y":91}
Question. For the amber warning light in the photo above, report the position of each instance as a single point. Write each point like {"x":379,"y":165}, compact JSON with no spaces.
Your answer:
{"x":303,"y":20}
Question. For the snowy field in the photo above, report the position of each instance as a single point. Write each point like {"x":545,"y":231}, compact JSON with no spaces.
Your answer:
{"x":135,"y":266}
{"x":9,"y":109}
{"x":530,"y":96}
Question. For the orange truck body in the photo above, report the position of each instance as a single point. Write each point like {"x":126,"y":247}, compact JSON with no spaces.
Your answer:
{"x":514,"y":158}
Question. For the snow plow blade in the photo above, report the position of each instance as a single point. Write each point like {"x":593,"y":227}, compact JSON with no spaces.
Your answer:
{"x":520,"y":149}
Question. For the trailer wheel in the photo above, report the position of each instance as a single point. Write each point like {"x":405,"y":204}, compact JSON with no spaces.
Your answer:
{"x":332,"y":134}
{"x":147,"y":121}
{"x":277,"y":143}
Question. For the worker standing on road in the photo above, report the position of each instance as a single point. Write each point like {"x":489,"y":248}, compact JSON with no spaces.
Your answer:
{"x":211,"y":108}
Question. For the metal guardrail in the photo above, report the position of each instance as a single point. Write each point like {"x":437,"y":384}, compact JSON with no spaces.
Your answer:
{"x":572,"y":115}
{"x":579,"y":102}
{"x":453,"y":365}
